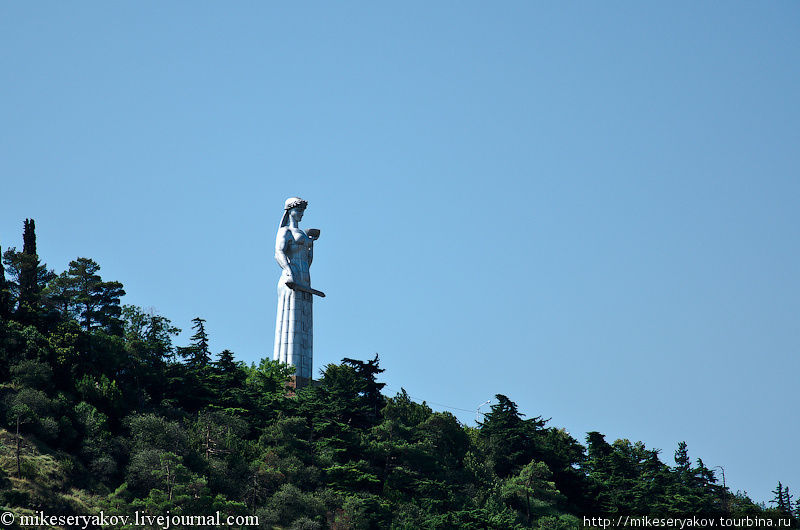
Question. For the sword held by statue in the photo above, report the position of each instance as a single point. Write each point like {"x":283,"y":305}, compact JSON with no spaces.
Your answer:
{"x":302,"y":288}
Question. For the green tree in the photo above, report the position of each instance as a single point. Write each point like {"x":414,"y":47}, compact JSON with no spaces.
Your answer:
{"x":534,"y":489}
{"x":626,"y":477}
{"x":33,"y":374}
{"x":30,"y":406}
{"x":97,"y":448}
{"x":152,"y":436}
{"x":788,"y":499}
{"x":170,"y":472}
{"x":192,"y":382}
{"x":229,"y":380}
{"x":197,"y":355}
{"x":80,"y":292}
{"x":5,"y":292}
{"x":564,"y":455}
{"x":268,"y":378}
{"x":683,"y":464}
{"x":350,"y":393}
{"x":510,"y":440}
{"x":62,"y":296}
{"x":178,"y":489}
{"x":219,"y":433}
{"x":148,"y":343}
{"x":28,"y":276}
{"x":28,"y":285}
{"x":782,"y":500}
{"x":687,"y":492}
{"x":70,"y":358}
{"x":150,"y":431}
{"x":710,"y":495}
{"x":289,"y":507}
{"x":154,"y":331}
{"x":102,"y":392}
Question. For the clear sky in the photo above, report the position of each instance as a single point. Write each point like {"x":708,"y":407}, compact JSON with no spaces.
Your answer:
{"x":589,"y":207}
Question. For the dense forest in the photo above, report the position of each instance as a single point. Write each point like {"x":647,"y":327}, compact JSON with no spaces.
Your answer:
{"x":100,"y":411}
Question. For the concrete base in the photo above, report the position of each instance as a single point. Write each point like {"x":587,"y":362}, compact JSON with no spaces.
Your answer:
{"x":298,"y":383}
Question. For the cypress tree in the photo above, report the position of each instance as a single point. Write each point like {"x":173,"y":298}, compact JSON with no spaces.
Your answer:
{"x":28,"y":274}
{"x":29,"y":237}
{"x":5,"y":295}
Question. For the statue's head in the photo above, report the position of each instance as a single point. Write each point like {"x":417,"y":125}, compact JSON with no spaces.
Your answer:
{"x":295,"y":202}
{"x":294,"y":208}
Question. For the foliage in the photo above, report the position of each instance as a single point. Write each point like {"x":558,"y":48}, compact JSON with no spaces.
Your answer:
{"x":101,"y":411}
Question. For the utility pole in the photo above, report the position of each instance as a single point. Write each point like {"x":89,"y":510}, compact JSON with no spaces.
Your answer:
{"x":478,"y":410}
{"x":724,"y":487}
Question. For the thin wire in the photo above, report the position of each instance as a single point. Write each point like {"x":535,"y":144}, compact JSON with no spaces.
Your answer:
{"x":433,"y":402}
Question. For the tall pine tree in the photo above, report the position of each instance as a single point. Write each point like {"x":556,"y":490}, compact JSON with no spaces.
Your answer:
{"x":81,"y":292}
{"x":782,"y":504}
{"x":683,"y":464}
{"x":197,"y":354}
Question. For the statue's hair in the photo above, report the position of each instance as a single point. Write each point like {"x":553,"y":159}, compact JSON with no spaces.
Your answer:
{"x":294,"y":202}
{"x":291,"y":202}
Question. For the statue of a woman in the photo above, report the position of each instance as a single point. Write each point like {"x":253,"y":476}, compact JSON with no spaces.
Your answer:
{"x":294,"y":251}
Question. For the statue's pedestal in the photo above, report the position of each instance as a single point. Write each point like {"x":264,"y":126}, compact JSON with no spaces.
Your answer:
{"x":297,"y":383}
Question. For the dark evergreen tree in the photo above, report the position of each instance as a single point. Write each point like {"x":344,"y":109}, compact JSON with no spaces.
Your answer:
{"x":82,"y":293}
{"x":5,"y":293}
{"x":148,"y":338}
{"x":225,"y":362}
{"x":192,"y":382}
{"x":351,"y":392}
{"x":109,"y":310}
{"x":30,"y":275}
{"x":709,"y":495}
{"x":369,"y":388}
{"x":197,"y":355}
{"x":683,"y":464}
{"x":779,"y":500}
{"x":27,"y":279}
{"x":61,"y":296}
{"x":564,"y":455}
{"x":229,"y":380}
{"x":510,"y":440}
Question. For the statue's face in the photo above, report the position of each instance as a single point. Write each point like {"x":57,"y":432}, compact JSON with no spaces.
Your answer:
{"x":296,"y":213}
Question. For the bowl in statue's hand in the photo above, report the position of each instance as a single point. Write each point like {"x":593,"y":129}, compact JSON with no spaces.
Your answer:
{"x":313,"y":233}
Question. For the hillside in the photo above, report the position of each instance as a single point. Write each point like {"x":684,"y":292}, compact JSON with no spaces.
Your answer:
{"x":101,"y":412}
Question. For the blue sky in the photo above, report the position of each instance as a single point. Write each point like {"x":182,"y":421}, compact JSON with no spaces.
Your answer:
{"x":591,"y":208}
